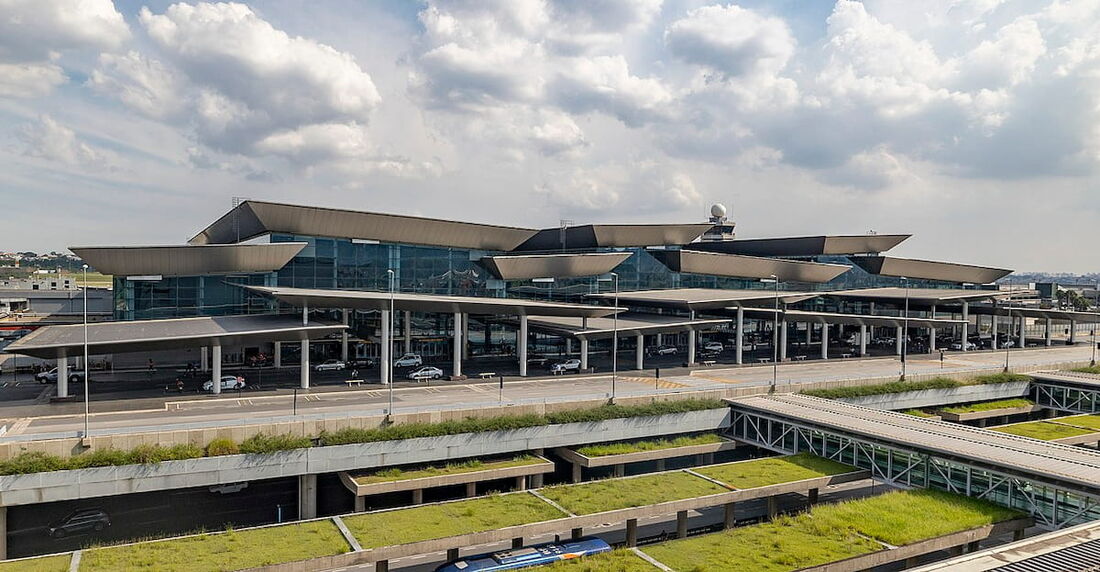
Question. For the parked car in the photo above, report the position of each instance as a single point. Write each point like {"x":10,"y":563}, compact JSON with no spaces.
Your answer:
{"x":425,"y":373}
{"x":715,"y":347}
{"x":80,"y":521}
{"x":229,"y":382}
{"x":330,"y":365}
{"x":361,"y":362}
{"x":957,"y":345}
{"x":664,"y":350}
{"x":51,"y":376}
{"x":409,"y":360}
{"x":569,"y":365}
{"x":538,"y":361}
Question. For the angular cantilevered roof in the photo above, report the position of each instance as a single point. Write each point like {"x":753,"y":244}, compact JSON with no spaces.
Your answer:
{"x":919,"y":295}
{"x":256,"y":218}
{"x":363,"y":300}
{"x":806,"y":245}
{"x":930,"y":270}
{"x":614,"y":236}
{"x":152,"y":335}
{"x":528,"y":266}
{"x":798,"y":316}
{"x":188,"y":260}
{"x":631,"y":324}
{"x":703,"y":298}
{"x":738,"y":266}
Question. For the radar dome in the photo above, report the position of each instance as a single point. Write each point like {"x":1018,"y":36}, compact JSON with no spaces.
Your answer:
{"x":718,"y":210}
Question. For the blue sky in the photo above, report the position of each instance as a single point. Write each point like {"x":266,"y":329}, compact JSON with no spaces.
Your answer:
{"x":973,"y":124}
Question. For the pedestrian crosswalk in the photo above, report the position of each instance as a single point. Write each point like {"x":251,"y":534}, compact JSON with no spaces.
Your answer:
{"x":650,"y":382}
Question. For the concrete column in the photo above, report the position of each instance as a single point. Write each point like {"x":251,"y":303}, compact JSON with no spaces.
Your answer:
{"x":517,"y":542}
{"x":307,"y":496}
{"x":3,"y":532}
{"x":639,"y":357}
{"x":966,"y":325}
{"x":682,"y":524}
{"x":632,"y":532}
{"x":568,"y":346}
{"x":418,"y":496}
{"x":932,"y":332}
{"x":521,"y":483}
{"x":304,"y":373}
{"x":576,"y":533}
{"x":360,"y":504}
{"x":584,"y":353}
{"x":812,"y":496}
{"x":740,"y":334}
{"x":660,"y":339}
{"x":408,"y":332}
{"x":452,"y":554}
{"x":521,"y":346}
{"x":619,"y":470}
{"x":809,"y":336}
{"x":824,"y":341}
{"x":1047,"y":330}
{"x":216,"y":377}
{"x":344,"y":339}
{"x":1023,"y":332}
{"x":63,"y":376}
{"x":278,"y":354}
{"x":456,"y":351}
{"x":783,"y":340}
{"x":1072,"y":332}
{"x":863,"y":341}
{"x":204,"y":360}
{"x":659,"y":465}
{"x":385,"y":366}
{"x":382,"y":566}
{"x":898,"y":340}
{"x":471,"y":489}
{"x":728,"y":519}
{"x":773,"y":508}
{"x":691,"y":344}
{"x":576,"y":475}
{"x":993,"y":329}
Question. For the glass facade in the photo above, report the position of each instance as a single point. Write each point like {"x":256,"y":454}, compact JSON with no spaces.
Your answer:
{"x":189,"y":296}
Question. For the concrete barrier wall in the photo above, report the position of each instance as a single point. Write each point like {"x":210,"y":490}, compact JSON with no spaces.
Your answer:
{"x":933,"y":397}
{"x":207,"y":471}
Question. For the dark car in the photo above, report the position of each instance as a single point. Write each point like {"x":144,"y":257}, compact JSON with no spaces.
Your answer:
{"x":79,"y":522}
{"x":361,"y":362}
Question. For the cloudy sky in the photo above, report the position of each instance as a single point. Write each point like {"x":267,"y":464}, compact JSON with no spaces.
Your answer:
{"x":973,"y":124}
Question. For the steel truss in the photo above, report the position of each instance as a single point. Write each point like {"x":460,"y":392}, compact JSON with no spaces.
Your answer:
{"x":1066,"y":398}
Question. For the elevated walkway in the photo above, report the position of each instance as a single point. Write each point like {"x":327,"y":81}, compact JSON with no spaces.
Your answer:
{"x":1070,"y":391}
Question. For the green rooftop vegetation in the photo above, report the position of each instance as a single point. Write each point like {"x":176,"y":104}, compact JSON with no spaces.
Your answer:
{"x":44,"y":564}
{"x":231,"y":550}
{"x":1042,"y":430}
{"x":605,"y":449}
{"x":904,"y":386}
{"x":918,"y":413}
{"x":427,"y":522}
{"x":830,"y":532}
{"x":614,"y":561}
{"x":1090,"y":421}
{"x":773,"y":470}
{"x":1094,"y":369}
{"x":988,"y":406}
{"x":470,"y":466}
{"x":614,"y":494}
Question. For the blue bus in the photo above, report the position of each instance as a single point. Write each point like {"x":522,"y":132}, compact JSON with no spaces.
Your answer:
{"x":528,"y":556}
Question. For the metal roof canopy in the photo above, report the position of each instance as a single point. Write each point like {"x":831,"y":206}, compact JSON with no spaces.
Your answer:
{"x":852,"y":319}
{"x":150,"y":335}
{"x":528,"y":266}
{"x":628,"y":325}
{"x":703,"y":298}
{"x":614,"y":235}
{"x":1039,"y":460}
{"x":919,"y":295}
{"x":188,"y":259}
{"x":806,"y":245}
{"x":1061,"y":315}
{"x":1079,"y":379}
{"x":1074,"y":549}
{"x":929,"y":269}
{"x":741,"y":266}
{"x":363,"y":300}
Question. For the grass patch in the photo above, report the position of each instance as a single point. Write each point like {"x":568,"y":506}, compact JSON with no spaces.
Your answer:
{"x":988,"y":406}
{"x":396,"y":474}
{"x":1042,"y":430}
{"x":614,"y":494}
{"x":1090,"y":421}
{"x":1093,"y":369}
{"x":605,"y":449}
{"x":774,"y":470}
{"x":830,"y":532}
{"x":903,"y":386}
{"x":232,"y":550}
{"x":45,"y":564}
{"x":262,"y":443}
{"x":918,"y":413}
{"x":614,"y":561}
{"x":408,"y":525}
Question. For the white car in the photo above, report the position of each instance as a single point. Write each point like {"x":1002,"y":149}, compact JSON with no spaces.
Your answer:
{"x":958,"y":346}
{"x":51,"y":376}
{"x":664,"y":350}
{"x":713,"y":347}
{"x":330,"y":365}
{"x":409,"y":360}
{"x":229,"y":382}
{"x":566,"y":366}
{"x":425,"y":373}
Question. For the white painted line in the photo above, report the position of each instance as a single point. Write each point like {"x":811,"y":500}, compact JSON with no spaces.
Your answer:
{"x":650,"y":559}
{"x":355,"y":547}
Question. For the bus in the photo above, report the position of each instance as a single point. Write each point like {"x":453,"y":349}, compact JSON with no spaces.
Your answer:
{"x":528,"y":556}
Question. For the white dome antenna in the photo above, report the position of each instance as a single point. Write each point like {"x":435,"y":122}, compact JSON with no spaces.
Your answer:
{"x":718,"y":210}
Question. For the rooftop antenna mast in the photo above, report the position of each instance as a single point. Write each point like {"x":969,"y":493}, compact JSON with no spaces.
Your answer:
{"x":237,"y":216}
{"x":563,"y":224}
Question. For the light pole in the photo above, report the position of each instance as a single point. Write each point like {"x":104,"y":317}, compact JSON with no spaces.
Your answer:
{"x":1008,"y":338}
{"x":389,"y":358}
{"x":905,"y":329}
{"x":86,"y":351}
{"x":775,"y":337}
{"x":614,"y":336}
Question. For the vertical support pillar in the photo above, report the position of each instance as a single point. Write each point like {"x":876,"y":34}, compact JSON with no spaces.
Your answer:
{"x":898,"y":340}
{"x":204,"y":359}
{"x":576,"y":533}
{"x":344,"y":338}
{"x":631,"y":532}
{"x":418,"y":496}
{"x":278,"y":354}
{"x":824,"y":341}
{"x":740,"y":335}
{"x":691,"y":342}
{"x":682,"y":524}
{"x":471,"y":489}
{"x":619,"y":470}
{"x":517,"y":542}
{"x":773,"y":507}
{"x":1072,"y":332}
{"x":639,"y":357}
{"x":576,"y":476}
{"x":3,"y":532}
{"x":932,"y":332}
{"x":521,"y":483}
{"x":456,"y":351}
{"x":728,"y":519}
{"x":408,"y":332}
{"x":863,"y":341}
{"x":216,"y":377}
{"x":993,"y":329}
{"x":1047,"y":331}
{"x":521,"y":346}
{"x":812,"y":496}
{"x":465,"y":336}
{"x":783,"y":340}
{"x":1023,"y":332}
{"x":360,"y":504}
{"x":568,"y":346}
{"x":965,"y":325}
{"x":452,"y":554}
{"x":659,"y":465}
{"x":63,"y":376}
{"x":307,"y":496}
{"x":809,"y":336}
{"x":584,"y":354}
{"x":305,"y":365}
{"x":385,"y":359}
{"x":382,"y":566}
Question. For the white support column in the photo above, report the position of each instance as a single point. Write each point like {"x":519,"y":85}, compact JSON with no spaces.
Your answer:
{"x":640,"y":352}
{"x":932,"y":332}
{"x":521,"y":346}
{"x":278,"y":354}
{"x":1072,"y":332}
{"x":408,"y":332}
{"x":204,"y":359}
{"x":660,"y":339}
{"x":584,"y":353}
{"x":304,"y":374}
{"x":63,"y":376}
{"x":783,"y":340}
{"x":993,"y":330}
{"x":899,"y":337}
{"x":456,"y":358}
{"x":1047,"y":330}
{"x":1023,"y":332}
{"x":809,"y":335}
{"x":691,"y":347}
{"x":824,"y":341}
{"x":344,"y":339}
{"x":740,"y":334}
{"x":965,"y":325}
{"x":568,"y":347}
{"x":466,"y":336}
{"x":385,"y":359}
{"x":863,"y":340}
{"x":216,"y":377}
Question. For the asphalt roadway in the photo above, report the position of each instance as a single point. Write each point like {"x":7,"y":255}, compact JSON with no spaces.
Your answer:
{"x":38,"y":419}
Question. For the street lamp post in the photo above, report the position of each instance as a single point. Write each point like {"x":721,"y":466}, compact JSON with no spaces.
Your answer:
{"x":85,"y":268}
{"x":775,"y":337}
{"x":388,"y":366}
{"x":1008,"y":339}
{"x":905,"y":329}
